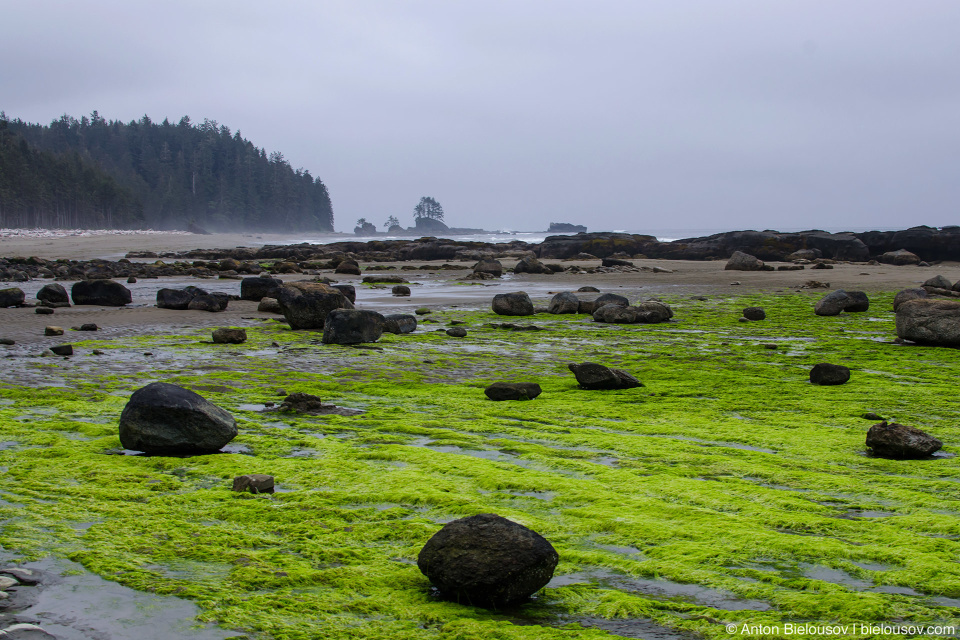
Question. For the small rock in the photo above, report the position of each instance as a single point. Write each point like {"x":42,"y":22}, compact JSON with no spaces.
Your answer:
{"x":513,"y":391}
{"x":6,"y":582}
{"x":88,"y":326}
{"x":43,"y":311}
{"x":457,"y":332}
{"x":131,"y":280}
{"x":754,"y":313}
{"x":901,"y":442}
{"x":7,"y":341}
{"x":871,"y":416}
{"x":97,"y":352}
{"x":226,"y":335}
{"x":400,"y":290}
{"x":53,"y":331}
{"x":254,"y":483}
{"x":422,"y":311}
{"x":62,"y":349}
{"x":269,"y":305}
{"x":829,"y":374}
{"x":769,"y":345}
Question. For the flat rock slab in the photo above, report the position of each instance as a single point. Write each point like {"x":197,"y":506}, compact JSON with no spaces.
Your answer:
{"x":513,"y":391}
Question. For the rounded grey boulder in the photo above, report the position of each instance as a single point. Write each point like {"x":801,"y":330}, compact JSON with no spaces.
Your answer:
{"x":930,"y":321}
{"x":54,"y":294}
{"x":564,"y":302}
{"x":162,"y":418}
{"x":513,"y":304}
{"x":487,"y":560}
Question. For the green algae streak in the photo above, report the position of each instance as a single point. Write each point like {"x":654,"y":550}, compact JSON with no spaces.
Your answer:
{"x":728,"y":490}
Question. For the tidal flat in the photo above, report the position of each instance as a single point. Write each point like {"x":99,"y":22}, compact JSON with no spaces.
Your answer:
{"x":727,"y":490}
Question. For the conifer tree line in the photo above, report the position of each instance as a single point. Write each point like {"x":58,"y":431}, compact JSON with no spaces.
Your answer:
{"x":95,"y":173}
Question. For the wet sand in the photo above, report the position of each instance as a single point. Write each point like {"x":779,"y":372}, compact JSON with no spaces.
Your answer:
{"x":435,"y":289}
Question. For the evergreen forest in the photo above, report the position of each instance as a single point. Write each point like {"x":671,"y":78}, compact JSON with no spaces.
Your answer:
{"x":94,"y":173}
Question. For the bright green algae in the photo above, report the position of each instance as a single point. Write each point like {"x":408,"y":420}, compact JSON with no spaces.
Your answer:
{"x":728,"y":471}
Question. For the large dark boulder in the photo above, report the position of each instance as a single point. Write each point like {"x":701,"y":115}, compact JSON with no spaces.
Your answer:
{"x":901,"y":442}
{"x":54,"y":294}
{"x":162,"y":418}
{"x":829,"y":374}
{"x":564,"y":302}
{"x":12,"y":297}
{"x":593,"y":376}
{"x":754,"y":313}
{"x":486,"y":560}
{"x":512,"y":304}
{"x":177,"y":299}
{"x":258,"y":288}
{"x":489,"y":265}
{"x":352,"y":326}
{"x":930,"y":321}
{"x":513,"y":391}
{"x":305,"y":305}
{"x":858,"y":302}
{"x":399,"y":323}
{"x":106,"y":293}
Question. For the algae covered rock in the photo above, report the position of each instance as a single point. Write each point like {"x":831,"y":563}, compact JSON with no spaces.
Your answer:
{"x":163,"y":418}
{"x":487,"y":560}
{"x":513,"y":391}
{"x":254,"y":483}
{"x":593,"y":376}
{"x":901,"y":442}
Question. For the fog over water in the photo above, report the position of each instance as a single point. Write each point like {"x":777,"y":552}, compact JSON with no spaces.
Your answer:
{"x":613,"y":114}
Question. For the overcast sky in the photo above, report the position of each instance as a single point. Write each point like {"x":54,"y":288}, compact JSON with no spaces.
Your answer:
{"x":618,"y":114}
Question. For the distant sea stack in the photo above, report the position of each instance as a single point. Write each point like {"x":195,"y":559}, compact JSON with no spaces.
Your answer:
{"x":566,"y":227}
